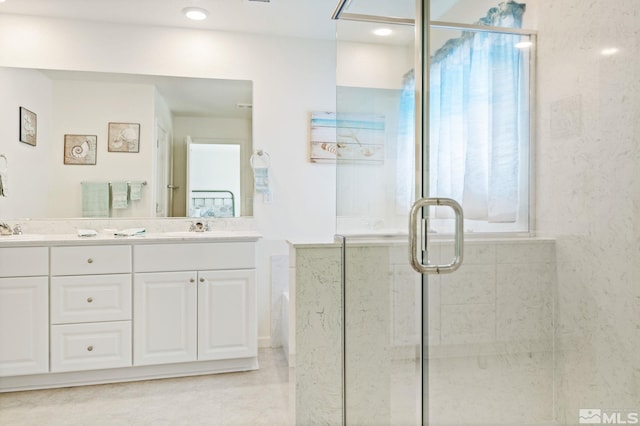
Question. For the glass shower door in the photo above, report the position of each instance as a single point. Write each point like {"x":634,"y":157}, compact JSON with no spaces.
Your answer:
{"x":376,"y":188}
{"x":462,"y":348}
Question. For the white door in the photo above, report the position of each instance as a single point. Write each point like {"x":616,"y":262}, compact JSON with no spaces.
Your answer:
{"x":227,"y":326}
{"x":164,"y":325}
{"x":163,"y":191}
{"x":213,"y":171}
{"x":24,"y":325}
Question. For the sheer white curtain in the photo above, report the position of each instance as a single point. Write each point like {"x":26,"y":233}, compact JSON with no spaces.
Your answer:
{"x":477,"y":100}
{"x":406,"y":148}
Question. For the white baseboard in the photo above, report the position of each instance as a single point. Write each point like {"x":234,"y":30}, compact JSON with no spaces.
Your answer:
{"x":264,"y":342}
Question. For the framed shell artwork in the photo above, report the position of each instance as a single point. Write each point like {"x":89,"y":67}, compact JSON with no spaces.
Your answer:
{"x":28,"y":126}
{"x":124,"y":137}
{"x":80,"y":149}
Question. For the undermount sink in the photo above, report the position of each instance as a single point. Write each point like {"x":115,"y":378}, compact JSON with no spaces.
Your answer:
{"x":22,"y":237}
{"x":185,"y":234}
{"x":192,"y":234}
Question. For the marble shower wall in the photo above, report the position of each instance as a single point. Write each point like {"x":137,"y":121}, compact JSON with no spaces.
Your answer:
{"x":490,"y":335}
{"x":588,"y":196}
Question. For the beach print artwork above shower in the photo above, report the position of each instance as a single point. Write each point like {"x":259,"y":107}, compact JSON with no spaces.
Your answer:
{"x":124,"y":137}
{"x":353,"y":137}
{"x":80,"y":149}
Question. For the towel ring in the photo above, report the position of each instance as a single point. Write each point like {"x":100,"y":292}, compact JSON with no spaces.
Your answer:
{"x":262,"y":156}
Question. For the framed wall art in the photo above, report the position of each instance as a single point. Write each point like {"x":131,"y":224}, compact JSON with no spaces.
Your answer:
{"x":28,"y":126}
{"x":80,"y":149}
{"x":124,"y":137}
{"x":352,"y":137}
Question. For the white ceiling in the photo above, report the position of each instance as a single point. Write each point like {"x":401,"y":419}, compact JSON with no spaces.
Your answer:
{"x":297,"y":18}
{"x":293,"y":18}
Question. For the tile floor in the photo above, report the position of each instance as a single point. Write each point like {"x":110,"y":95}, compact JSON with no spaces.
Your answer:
{"x":235,"y":399}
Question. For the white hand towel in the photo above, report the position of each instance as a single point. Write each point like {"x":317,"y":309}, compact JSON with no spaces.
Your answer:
{"x":261,"y":176}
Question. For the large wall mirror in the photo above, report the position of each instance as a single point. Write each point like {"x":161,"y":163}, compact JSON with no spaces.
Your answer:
{"x":171,"y":113}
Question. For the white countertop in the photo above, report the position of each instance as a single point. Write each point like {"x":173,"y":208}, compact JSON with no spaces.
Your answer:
{"x":150,"y":237}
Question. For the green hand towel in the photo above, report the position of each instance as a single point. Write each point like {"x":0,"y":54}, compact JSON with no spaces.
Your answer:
{"x":119,"y":195}
{"x":136,"y":191}
{"x":95,"y":199}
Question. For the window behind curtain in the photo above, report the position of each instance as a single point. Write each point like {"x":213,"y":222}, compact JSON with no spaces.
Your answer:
{"x":479,"y":125}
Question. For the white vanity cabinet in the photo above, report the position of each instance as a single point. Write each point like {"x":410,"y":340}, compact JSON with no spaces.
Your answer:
{"x":24,"y":313}
{"x":90,"y":307}
{"x":194,"y":302}
{"x":105,"y":310}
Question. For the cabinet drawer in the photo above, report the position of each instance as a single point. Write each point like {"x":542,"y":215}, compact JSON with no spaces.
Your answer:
{"x":181,"y":257}
{"x":90,"y":298}
{"x":24,"y":261}
{"x":90,"y":346}
{"x":84,"y":260}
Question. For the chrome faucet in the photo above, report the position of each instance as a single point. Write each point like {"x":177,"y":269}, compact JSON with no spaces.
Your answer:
{"x":5,"y":229}
{"x":199,"y":226}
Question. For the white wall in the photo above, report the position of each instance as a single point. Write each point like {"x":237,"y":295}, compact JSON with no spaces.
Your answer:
{"x":86,"y":108}
{"x":26,"y":163}
{"x":375,"y":66}
{"x":291,"y":77}
{"x":588,"y":197}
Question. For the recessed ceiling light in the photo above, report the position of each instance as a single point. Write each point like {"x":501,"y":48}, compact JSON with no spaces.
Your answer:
{"x":610,"y":51}
{"x":382,"y":32}
{"x":195,"y":13}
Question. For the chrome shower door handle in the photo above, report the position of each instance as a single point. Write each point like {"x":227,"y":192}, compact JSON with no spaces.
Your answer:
{"x":414,"y":219}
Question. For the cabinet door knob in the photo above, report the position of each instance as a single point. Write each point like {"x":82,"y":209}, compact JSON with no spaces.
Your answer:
{"x":201,"y":280}
{"x":192,"y":280}
{"x":89,"y":348}
{"x":89,"y":299}
{"x":89,"y":260}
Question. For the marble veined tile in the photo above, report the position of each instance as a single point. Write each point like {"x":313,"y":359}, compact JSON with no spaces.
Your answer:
{"x":470,"y":284}
{"x":472,"y":323}
{"x":525,"y":301}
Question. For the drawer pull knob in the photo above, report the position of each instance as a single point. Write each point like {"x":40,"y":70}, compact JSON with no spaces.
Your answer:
{"x":201,"y":280}
{"x":89,"y":299}
{"x":192,"y":280}
{"x":89,"y":260}
{"x":89,"y":348}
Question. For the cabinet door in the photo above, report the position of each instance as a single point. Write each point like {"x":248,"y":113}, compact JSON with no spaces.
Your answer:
{"x":164,"y":320}
{"x":24,"y":324}
{"x":227,"y":314}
